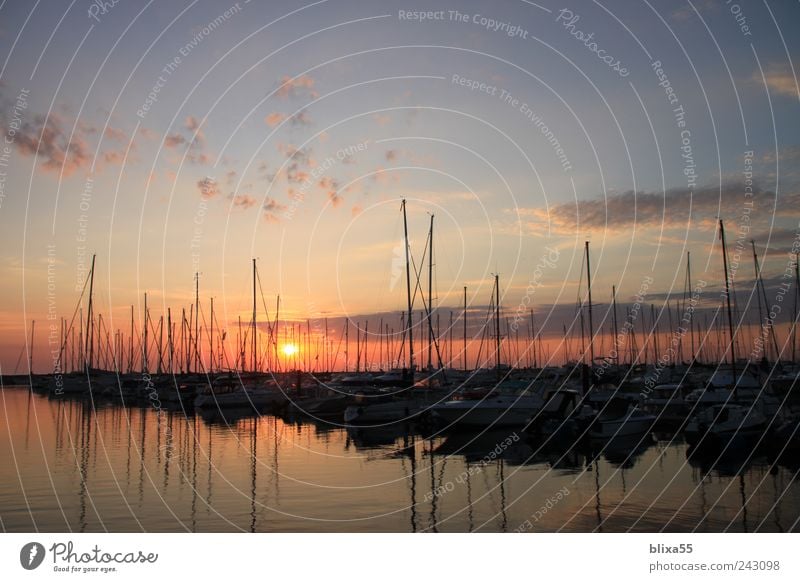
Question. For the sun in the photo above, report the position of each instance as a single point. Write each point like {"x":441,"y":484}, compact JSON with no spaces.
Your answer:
{"x":289,"y":349}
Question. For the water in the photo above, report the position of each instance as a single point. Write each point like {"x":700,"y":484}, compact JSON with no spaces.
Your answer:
{"x":69,"y":466}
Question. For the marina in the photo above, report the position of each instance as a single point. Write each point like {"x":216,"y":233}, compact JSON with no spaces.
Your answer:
{"x":398,"y":449}
{"x":93,"y":467}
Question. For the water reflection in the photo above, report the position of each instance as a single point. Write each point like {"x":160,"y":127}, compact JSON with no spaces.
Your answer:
{"x":92,"y":466}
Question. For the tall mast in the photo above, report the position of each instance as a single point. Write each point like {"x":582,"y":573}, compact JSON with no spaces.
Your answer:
{"x":616,"y":336}
{"x":89,"y":351}
{"x":196,"y":322}
{"x":253,"y":338}
{"x":170,"y":342}
{"x":130,"y":356}
{"x":145,"y":369}
{"x":591,"y":325}
{"x":160,"y":343}
{"x":430,"y":295}
{"x":796,"y":295}
{"x":30,"y":351}
{"x":465,"y":329}
{"x":211,"y":340}
{"x":277,"y":323}
{"x":533,"y":339}
{"x":497,"y":320}
{"x":728,"y":301}
{"x":409,"y":321}
{"x":691,"y":298}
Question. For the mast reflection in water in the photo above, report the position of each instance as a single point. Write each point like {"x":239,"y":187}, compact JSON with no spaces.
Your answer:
{"x":72,"y":466}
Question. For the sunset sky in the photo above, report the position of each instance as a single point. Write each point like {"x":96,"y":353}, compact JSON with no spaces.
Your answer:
{"x":182,"y":137}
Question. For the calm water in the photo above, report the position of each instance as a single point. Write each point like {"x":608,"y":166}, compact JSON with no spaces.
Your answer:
{"x":69,"y":467}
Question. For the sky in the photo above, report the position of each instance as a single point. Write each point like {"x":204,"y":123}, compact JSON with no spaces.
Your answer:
{"x":177,"y":138}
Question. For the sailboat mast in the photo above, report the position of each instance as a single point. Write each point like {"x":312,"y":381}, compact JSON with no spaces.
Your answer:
{"x":144,"y":353}
{"x":796,"y":295}
{"x":691,"y":298}
{"x":253,"y":338}
{"x":497,"y":320}
{"x":196,"y":321}
{"x":211,"y":340}
{"x":30,"y":351}
{"x":89,"y":350}
{"x":409,"y":321}
{"x":616,"y":332}
{"x":728,"y":301}
{"x":591,"y":324}
{"x":465,"y":329}
{"x":430,"y":295}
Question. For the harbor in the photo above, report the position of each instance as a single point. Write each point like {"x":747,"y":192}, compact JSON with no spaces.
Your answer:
{"x":663,"y":442}
{"x":87,"y":467}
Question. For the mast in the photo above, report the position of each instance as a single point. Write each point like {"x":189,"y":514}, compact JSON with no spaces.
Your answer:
{"x":409,"y":321}
{"x":533,"y":338}
{"x":144,"y":353}
{"x":196,"y":321}
{"x":277,"y":323}
{"x":728,"y":301}
{"x":253,"y":339}
{"x":170,"y":341}
{"x":89,"y":350}
{"x":211,"y":339}
{"x":160,"y":344}
{"x":591,"y":325}
{"x":430,"y":295}
{"x":465,"y":329}
{"x":691,"y":298}
{"x":616,"y":332}
{"x":497,"y":320}
{"x":796,"y":295}
{"x":30,"y":352}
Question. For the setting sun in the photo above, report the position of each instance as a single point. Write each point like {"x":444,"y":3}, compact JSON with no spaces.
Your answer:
{"x":289,"y":349}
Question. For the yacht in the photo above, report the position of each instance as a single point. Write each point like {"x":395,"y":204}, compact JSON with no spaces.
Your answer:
{"x":720,"y":423}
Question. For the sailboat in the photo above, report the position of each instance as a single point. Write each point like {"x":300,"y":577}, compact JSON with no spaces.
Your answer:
{"x":504,"y":404}
{"x":390,"y":408}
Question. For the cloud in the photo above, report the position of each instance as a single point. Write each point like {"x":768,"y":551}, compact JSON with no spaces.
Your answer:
{"x":193,"y":125}
{"x":273,"y":209}
{"x":208,"y":187}
{"x":672,"y":209}
{"x":331,"y":188}
{"x":147,"y":133}
{"x":274,"y":118}
{"x":48,"y":138}
{"x":301,"y":118}
{"x":243,"y":201}
{"x":296,"y":87}
{"x":174,"y":140}
{"x":382,"y":120}
{"x":115,"y":134}
{"x":779,"y":79}
{"x":299,"y":163}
